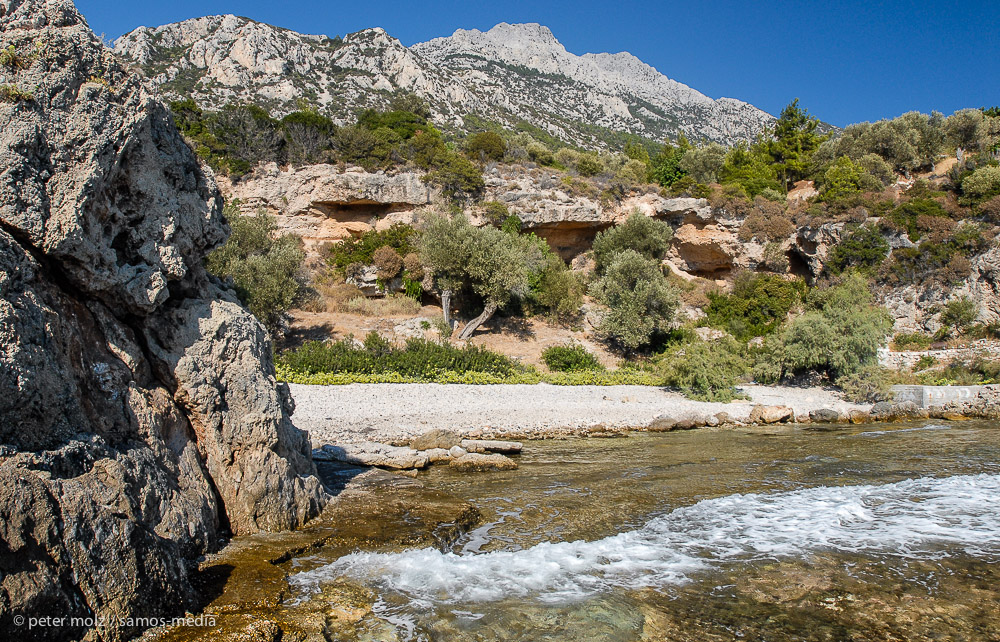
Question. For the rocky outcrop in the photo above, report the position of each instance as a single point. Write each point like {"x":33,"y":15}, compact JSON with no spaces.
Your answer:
{"x":140,"y":420}
{"x":324,"y":203}
{"x":509,"y":74}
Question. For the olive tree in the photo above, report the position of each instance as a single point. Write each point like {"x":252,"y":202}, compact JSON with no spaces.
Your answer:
{"x":640,"y":301}
{"x":640,"y":233}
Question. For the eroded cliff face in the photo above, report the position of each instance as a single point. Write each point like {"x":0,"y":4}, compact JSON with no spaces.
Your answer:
{"x":140,"y":420}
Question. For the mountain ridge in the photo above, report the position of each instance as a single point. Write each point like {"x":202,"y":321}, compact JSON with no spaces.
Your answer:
{"x":510,"y":74}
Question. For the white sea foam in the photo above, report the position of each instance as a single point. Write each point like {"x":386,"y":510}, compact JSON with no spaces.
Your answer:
{"x":921,"y":518}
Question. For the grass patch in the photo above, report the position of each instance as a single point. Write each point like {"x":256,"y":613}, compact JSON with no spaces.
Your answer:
{"x":388,"y":307}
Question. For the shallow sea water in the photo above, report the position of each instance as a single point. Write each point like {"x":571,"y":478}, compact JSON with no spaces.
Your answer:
{"x":846,"y":533}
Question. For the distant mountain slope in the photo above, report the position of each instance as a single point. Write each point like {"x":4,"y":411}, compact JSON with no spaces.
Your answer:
{"x":509,"y":74}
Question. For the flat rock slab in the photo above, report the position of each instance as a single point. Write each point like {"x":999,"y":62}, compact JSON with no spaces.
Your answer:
{"x":492,"y":446}
{"x":372,"y":453}
{"x":476,"y":462}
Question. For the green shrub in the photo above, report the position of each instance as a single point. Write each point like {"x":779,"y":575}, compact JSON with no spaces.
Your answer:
{"x":400,"y":237}
{"x":263,"y":268}
{"x":707,"y":371}
{"x":908,"y":215}
{"x":495,"y":212}
{"x":863,"y":248}
{"x":756,"y":306}
{"x":418,"y":358}
{"x":511,"y":225}
{"x":839,"y":336}
{"x":12,"y":60}
{"x":589,"y":165}
{"x":870,"y":384}
{"x":960,"y":313}
{"x":912,"y":341}
{"x":640,"y":233}
{"x":639,"y":298}
{"x":12,"y":94}
{"x":570,"y":359}
{"x":557,"y":290}
{"x":485,"y":146}
{"x":455,"y":175}
{"x":924,"y":362}
{"x":972,"y":372}
{"x":982,"y":184}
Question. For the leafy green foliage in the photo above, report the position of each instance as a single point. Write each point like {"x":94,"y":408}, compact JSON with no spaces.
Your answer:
{"x":573,"y":358}
{"x":400,"y":237}
{"x":982,"y":184}
{"x":418,"y":358}
{"x":756,"y":306}
{"x":640,"y":233}
{"x":639,"y":298}
{"x":793,"y":141}
{"x":665,"y":167}
{"x":703,"y":164}
{"x":912,"y":341}
{"x":870,"y":384}
{"x":263,"y":268}
{"x":455,"y":174}
{"x":485,"y":146}
{"x":751,"y":168}
{"x":839,"y":336}
{"x":863,"y":248}
{"x":938,"y":259}
{"x":908,"y":215}
{"x":555,"y":289}
{"x":706,"y":371}
{"x":960,"y":313}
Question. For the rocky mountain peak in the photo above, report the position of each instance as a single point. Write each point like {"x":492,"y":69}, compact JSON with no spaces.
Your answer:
{"x":510,"y":74}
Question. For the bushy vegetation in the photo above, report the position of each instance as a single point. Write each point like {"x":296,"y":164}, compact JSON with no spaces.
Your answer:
{"x":707,"y":371}
{"x":417,"y":358}
{"x":642,"y":234}
{"x":573,"y":358}
{"x":400,"y":237}
{"x":640,"y":300}
{"x":756,"y":306}
{"x":862,"y":248}
{"x":262,"y":267}
{"x":839,"y":335}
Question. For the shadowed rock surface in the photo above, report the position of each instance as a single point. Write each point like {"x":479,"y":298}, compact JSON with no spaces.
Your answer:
{"x":140,"y":421}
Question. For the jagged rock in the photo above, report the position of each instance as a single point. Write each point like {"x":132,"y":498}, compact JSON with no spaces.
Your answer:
{"x":140,"y":418}
{"x":824,"y":416}
{"x":493,"y":74}
{"x":476,"y":462}
{"x":491,"y":446}
{"x":437,"y":438}
{"x":770,"y":414}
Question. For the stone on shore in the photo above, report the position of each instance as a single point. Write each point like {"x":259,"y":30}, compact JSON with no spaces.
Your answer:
{"x":435,"y":455}
{"x":477,"y":462}
{"x":824,"y":416}
{"x":457,"y":451}
{"x":491,"y":446}
{"x":372,"y":453}
{"x":437,"y":438}
{"x":771,"y":414}
{"x":663,"y":423}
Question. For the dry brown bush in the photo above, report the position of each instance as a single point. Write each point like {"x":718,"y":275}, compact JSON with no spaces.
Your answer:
{"x":390,"y":306}
{"x":767,"y":222}
{"x":388,"y":263}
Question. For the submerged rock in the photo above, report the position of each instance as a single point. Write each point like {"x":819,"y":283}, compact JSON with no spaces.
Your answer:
{"x":476,"y":462}
{"x":824,"y":416}
{"x":492,"y":446}
{"x":140,"y":418}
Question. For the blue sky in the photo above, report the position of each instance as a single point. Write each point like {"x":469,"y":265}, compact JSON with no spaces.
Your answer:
{"x":845,"y":61}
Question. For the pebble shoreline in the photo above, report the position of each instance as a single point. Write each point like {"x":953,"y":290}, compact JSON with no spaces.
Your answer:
{"x":396,"y":413}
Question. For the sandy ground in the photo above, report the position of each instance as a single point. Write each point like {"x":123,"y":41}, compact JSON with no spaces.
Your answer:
{"x":394,"y":413}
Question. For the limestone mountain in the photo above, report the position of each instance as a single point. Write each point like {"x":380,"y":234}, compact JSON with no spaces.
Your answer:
{"x":515,"y":75}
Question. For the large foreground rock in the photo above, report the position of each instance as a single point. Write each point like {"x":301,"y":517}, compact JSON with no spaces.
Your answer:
{"x":140,"y":421}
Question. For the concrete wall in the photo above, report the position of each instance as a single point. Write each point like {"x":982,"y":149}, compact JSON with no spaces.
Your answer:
{"x":927,"y":396}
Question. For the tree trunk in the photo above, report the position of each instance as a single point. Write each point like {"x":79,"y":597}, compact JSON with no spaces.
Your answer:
{"x":446,"y":306}
{"x":478,"y":321}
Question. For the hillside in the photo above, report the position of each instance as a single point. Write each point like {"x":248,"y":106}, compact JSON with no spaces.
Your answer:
{"x":515,"y":75}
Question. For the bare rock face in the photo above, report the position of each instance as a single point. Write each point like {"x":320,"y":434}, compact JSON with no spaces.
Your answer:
{"x":324,"y":203}
{"x":140,"y":420}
